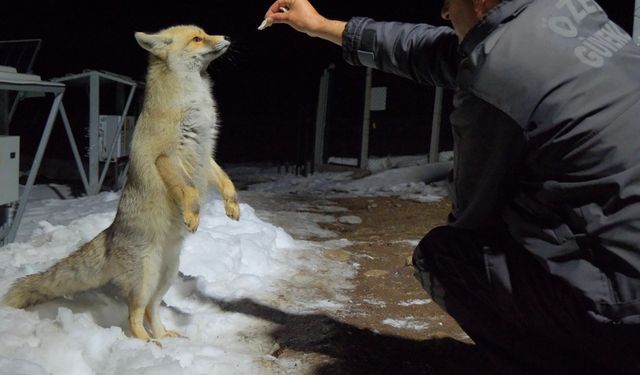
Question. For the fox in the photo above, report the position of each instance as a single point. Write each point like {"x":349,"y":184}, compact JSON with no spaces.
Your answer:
{"x":171,"y":167}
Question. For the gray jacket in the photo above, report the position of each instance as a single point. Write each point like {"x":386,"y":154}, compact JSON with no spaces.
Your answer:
{"x":546,"y":133}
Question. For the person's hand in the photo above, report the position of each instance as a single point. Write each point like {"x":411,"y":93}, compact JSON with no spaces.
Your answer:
{"x":299,"y":14}
{"x":303,"y":17}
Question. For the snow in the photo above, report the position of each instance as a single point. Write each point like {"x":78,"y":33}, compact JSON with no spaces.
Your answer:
{"x":375,"y":302}
{"x":408,"y":177}
{"x":224,"y":264}
{"x":407,"y":323}
{"x":415,"y":302}
{"x":350,"y":220}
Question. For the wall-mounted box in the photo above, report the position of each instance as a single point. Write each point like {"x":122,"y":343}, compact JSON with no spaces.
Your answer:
{"x":9,"y":169}
{"x":108,"y":130}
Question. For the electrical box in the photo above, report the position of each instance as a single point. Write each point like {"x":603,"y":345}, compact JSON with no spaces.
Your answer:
{"x":107,"y":132}
{"x":378,"y":98}
{"x":9,"y":169}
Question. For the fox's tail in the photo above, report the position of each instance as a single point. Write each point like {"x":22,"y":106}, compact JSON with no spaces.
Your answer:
{"x":82,"y":270}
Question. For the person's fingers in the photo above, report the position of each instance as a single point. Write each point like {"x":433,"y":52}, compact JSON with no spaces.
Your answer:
{"x":277,"y":13}
{"x":276,"y":7}
{"x":281,"y":17}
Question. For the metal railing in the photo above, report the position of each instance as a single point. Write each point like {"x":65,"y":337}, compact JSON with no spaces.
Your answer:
{"x":20,"y":53}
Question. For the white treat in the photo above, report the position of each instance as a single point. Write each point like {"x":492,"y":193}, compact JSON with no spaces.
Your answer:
{"x":266,"y":23}
{"x":263,"y":25}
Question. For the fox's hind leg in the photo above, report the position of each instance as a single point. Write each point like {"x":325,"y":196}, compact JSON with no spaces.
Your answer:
{"x":168,"y":273}
{"x":139,"y":278}
{"x":158,"y":329}
{"x":136,"y":319}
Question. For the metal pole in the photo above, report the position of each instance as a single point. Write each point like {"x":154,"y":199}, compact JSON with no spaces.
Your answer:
{"x":74,"y":148}
{"x":366,"y":121}
{"x":321,"y":117}
{"x":14,"y":106}
{"x":434,"y":148}
{"x":5,"y":210}
{"x":4,"y":112}
{"x":94,"y":125}
{"x":636,"y":23}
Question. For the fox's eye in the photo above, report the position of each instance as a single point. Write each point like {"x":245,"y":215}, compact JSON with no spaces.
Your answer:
{"x":196,"y":39}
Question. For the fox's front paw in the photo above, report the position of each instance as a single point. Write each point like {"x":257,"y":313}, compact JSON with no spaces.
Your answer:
{"x":232,"y":209}
{"x":191,"y":209}
{"x":191,"y":220}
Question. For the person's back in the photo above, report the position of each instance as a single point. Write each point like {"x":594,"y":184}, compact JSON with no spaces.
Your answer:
{"x":573,"y":86}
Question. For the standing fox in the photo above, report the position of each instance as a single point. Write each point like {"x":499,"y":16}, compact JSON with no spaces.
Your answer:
{"x":170,"y":168}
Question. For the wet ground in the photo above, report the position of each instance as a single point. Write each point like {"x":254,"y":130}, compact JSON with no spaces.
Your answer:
{"x":390,"y":326}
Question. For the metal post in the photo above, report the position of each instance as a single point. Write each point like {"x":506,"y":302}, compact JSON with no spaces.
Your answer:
{"x":366,"y":121}
{"x":434,"y":148}
{"x":94,"y":126}
{"x":14,"y":106}
{"x":321,"y":117}
{"x":4,"y":130}
{"x":636,"y":23}
{"x":74,"y":148}
{"x":4,"y":112}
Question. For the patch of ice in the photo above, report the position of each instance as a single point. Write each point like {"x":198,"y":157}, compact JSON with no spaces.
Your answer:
{"x":354,"y":220}
{"x":407,"y":323}
{"x":415,"y":302}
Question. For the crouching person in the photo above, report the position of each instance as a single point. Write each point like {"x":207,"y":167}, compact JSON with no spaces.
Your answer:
{"x":540,"y":260}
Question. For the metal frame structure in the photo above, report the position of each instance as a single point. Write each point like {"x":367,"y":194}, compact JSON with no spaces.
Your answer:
{"x":27,"y":70}
{"x":363,"y":161}
{"x":57,"y":87}
{"x":8,"y":233}
{"x":93,"y":182}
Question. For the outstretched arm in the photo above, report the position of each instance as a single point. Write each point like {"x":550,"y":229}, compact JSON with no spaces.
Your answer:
{"x":423,"y":53}
{"x":420,"y":52}
{"x":303,"y":17}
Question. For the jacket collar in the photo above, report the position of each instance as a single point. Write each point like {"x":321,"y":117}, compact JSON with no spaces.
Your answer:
{"x":501,"y":13}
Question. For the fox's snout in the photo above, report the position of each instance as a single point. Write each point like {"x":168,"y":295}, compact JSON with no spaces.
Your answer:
{"x":217,"y":42}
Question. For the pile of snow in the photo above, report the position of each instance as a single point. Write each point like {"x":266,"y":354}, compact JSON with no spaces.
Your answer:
{"x":224,"y":261}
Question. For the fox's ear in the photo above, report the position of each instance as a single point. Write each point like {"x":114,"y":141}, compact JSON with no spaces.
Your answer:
{"x":152,"y":42}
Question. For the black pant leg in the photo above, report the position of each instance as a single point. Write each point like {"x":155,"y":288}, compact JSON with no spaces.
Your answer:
{"x":470,"y":276}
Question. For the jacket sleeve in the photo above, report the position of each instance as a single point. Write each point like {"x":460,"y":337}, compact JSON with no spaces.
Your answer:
{"x":420,"y":52}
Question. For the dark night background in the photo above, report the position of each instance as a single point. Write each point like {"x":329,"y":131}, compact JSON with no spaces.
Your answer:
{"x":266,"y":86}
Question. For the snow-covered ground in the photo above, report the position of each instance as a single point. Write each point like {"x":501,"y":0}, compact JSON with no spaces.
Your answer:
{"x":403,"y":176}
{"x":256,"y":259}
